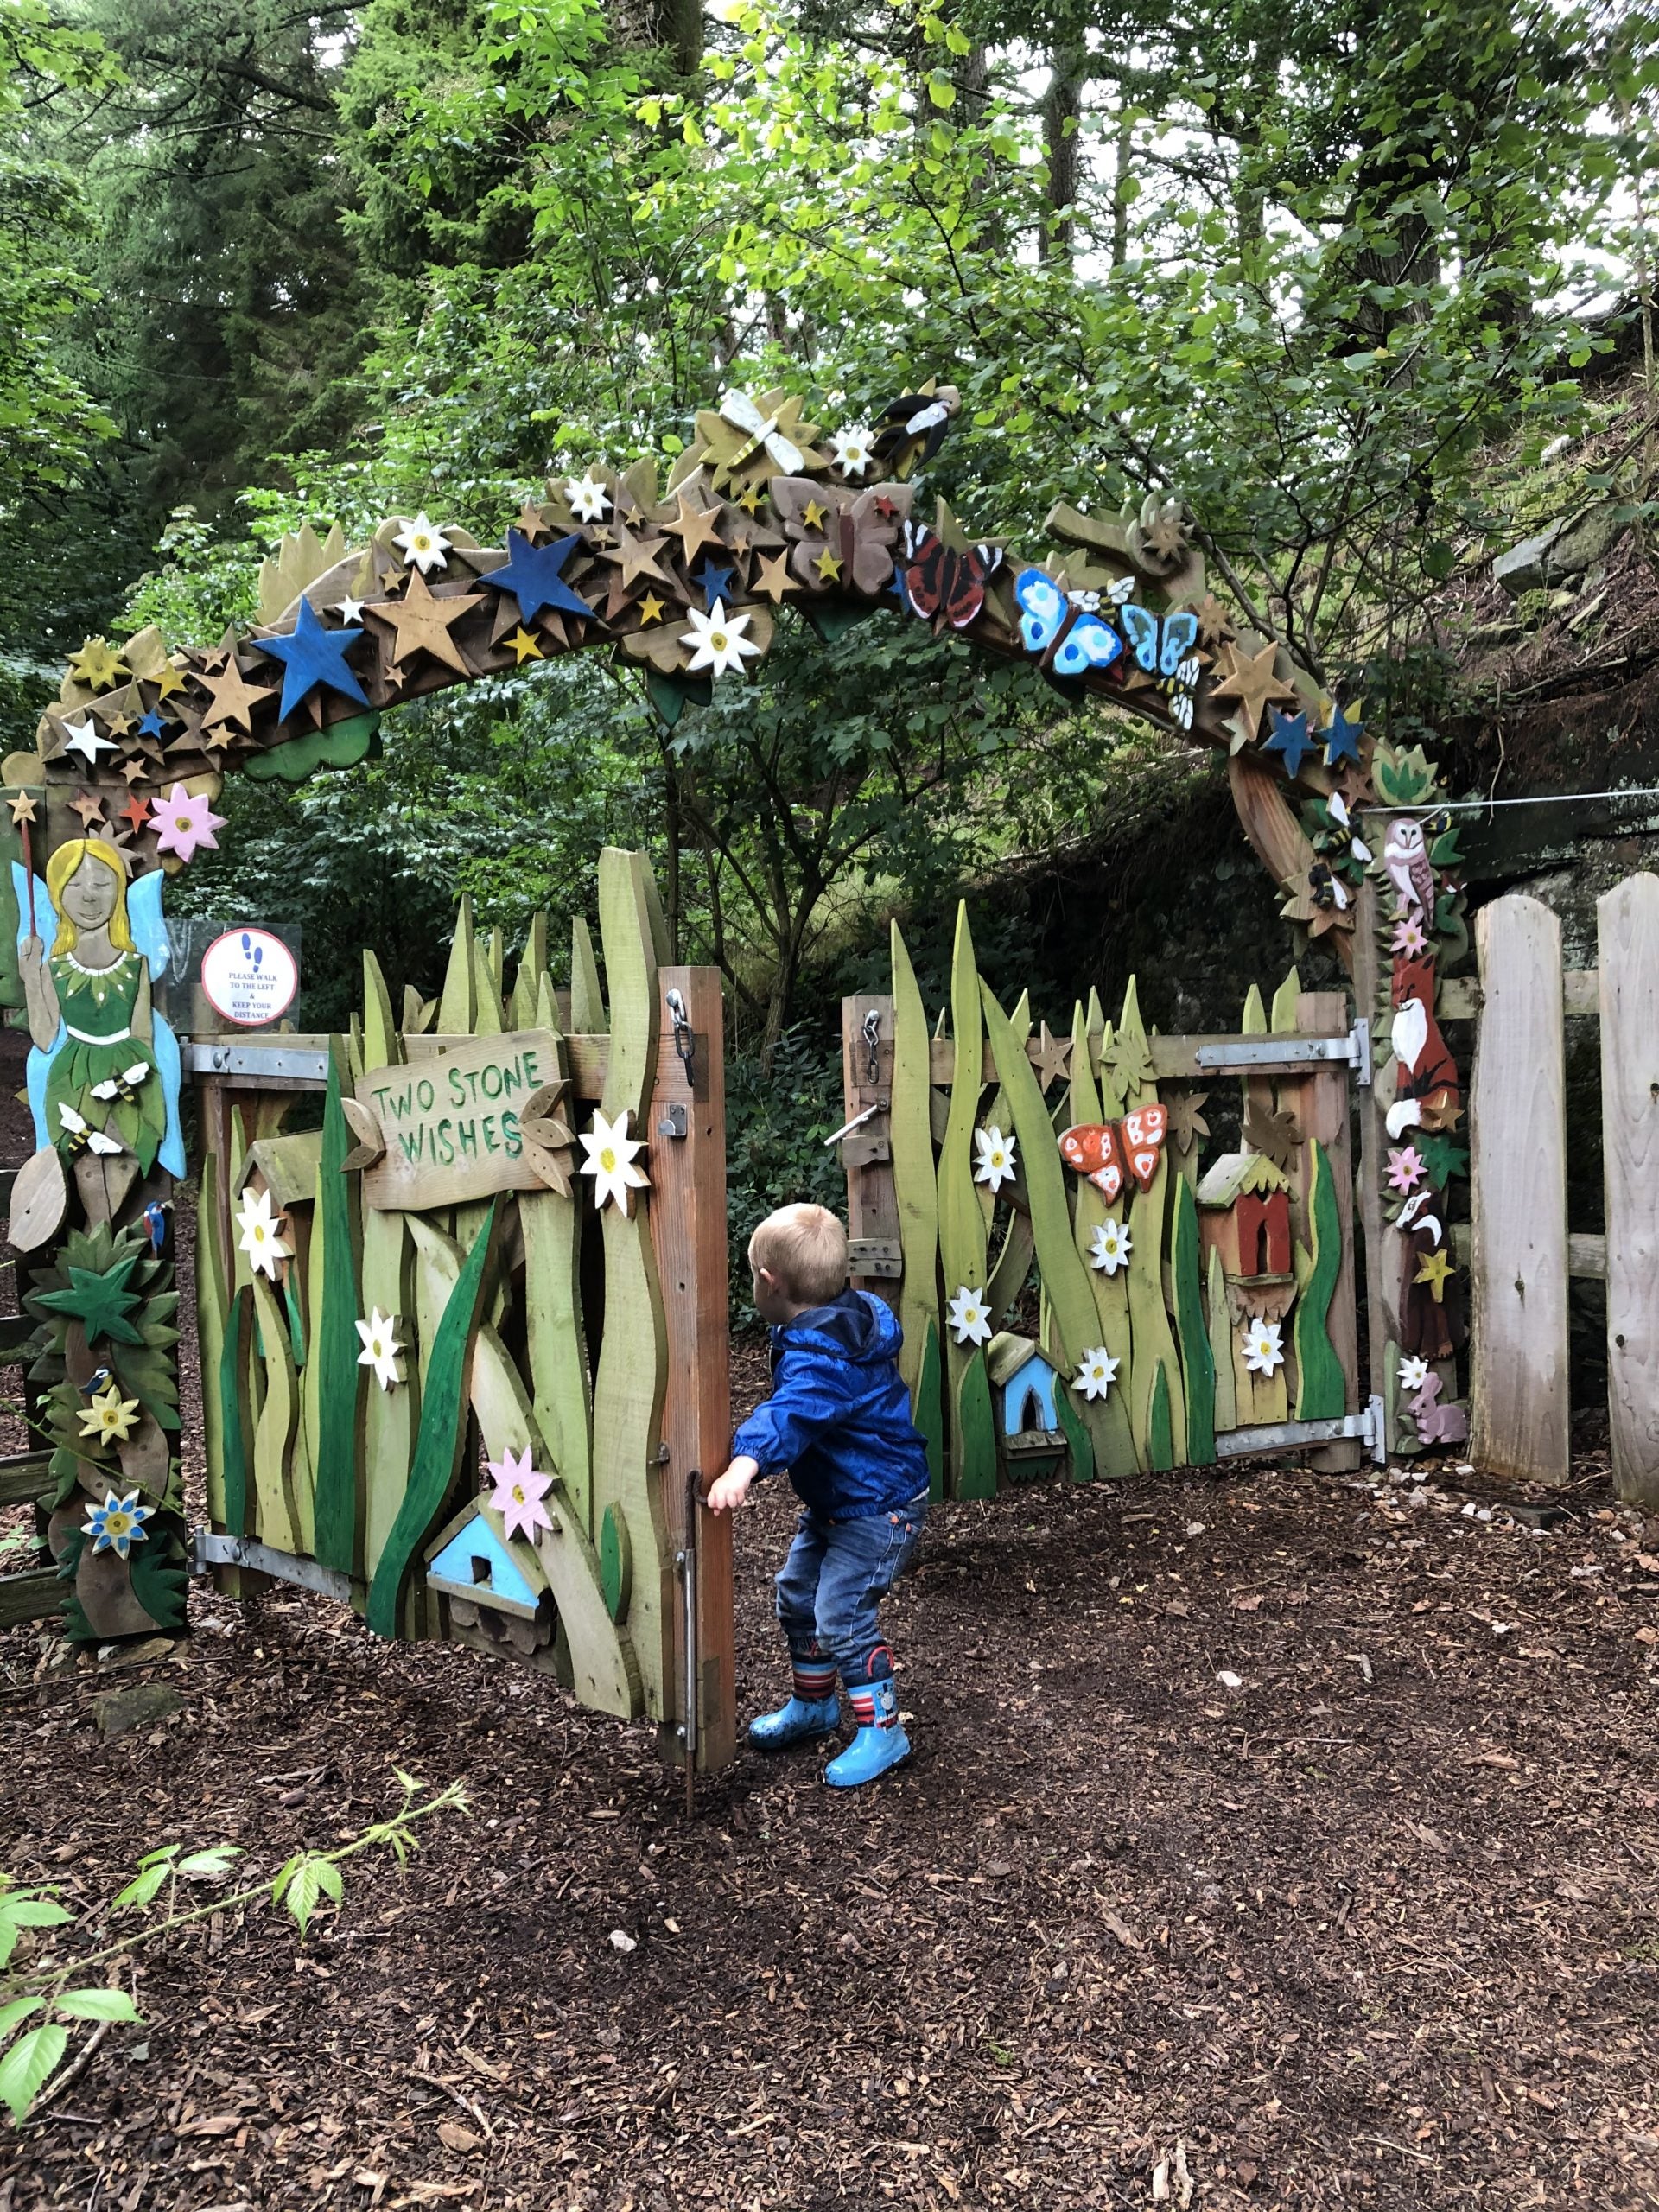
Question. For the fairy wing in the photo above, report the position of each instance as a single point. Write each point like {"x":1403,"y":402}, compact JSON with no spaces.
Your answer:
{"x":40,"y":1063}
{"x":1093,"y":1149}
{"x":145,"y":915}
{"x":1144,"y":1131}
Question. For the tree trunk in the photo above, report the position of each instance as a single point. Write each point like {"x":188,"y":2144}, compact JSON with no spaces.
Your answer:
{"x":1062,"y":113}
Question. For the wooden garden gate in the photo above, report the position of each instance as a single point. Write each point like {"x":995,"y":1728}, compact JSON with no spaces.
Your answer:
{"x":1180,"y":1312}
{"x":427,"y":1282}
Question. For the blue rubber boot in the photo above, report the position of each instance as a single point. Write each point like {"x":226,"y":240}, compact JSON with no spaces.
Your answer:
{"x":880,"y":1744}
{"x":802,"y":1720}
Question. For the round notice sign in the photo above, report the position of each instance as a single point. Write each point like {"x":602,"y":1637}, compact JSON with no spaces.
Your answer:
{"x":250,"y":977}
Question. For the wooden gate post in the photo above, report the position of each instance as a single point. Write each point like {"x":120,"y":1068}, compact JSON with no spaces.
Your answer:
{"x":687,"y":1214}
{"x":1520,"y":1416}
{"x":1384,"y":1246}
{"x":1628,"y":928}
{"x":1322,"y":1115}
{"x":866,"y":1082}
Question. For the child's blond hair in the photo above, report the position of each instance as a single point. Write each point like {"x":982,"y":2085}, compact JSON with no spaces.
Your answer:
{"x":803,"y":1248}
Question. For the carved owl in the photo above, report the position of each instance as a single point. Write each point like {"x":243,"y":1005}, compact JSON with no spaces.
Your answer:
{"x":1405,"y":855}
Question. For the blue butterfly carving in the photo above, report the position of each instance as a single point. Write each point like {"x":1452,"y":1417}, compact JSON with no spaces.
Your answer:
{"x":1162,"y":643}
{"x":1084,"y":640}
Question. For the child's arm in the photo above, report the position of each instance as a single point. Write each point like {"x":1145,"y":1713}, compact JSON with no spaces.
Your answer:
{"x":732,"y":1489}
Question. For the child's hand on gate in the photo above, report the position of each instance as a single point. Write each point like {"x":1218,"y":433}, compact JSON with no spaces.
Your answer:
{"x":731,"y":1490}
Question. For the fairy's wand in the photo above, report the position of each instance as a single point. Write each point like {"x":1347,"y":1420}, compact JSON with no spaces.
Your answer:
{"x":22,"y":813}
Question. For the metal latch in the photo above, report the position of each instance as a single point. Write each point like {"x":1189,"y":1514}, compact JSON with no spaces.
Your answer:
{"x":676,"y":1122}
{"x":881,"y":1257}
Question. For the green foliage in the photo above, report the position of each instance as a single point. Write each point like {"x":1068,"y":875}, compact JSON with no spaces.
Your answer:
{"x":776,"y":1123}
{"x":36,"y":1988}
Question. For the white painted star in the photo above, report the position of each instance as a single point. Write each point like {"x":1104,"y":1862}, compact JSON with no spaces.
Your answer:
{"x":587,"y":497}
{"x":1263,"y":1351}
{"x":993,"y":1165}
{"x":1110,"y":1247}
{"x":610,"y":1159}
{"x":723,"y":640}
{"x":348,"y":608}
{"x":82,"y":737}
{"x":422,"y":545}
{"x":381,"y":1350}
{"x":1096,"y":1372}
{"x":969,"y":1316}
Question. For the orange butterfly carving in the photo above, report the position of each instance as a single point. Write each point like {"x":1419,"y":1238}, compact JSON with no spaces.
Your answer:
{"x":1109,"y":1153}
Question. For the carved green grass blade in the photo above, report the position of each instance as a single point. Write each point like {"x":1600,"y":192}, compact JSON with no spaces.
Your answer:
{"x":1197,"y":1364}
{"x":233,"y":1351}
{"x":1321,"y":1390}
{"x":442,"y":1432}
{"x":917,"y":1193}
{"x":962,"y":1230}
{"x":338,"y":1377}
{"x":1154,"y":1339}
{"x":1108,"y":1418}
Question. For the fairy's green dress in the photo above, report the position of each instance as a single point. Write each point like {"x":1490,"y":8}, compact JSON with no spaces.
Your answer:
{"x":103,"y":1074}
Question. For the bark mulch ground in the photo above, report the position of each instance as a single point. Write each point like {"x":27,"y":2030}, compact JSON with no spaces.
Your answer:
{"x":1268,"y":1842}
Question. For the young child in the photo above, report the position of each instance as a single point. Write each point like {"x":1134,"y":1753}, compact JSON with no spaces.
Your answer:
{"x":838,"y":1420}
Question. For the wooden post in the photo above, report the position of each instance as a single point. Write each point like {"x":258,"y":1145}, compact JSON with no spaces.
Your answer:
{"x":1383,"y":1243}
{"x":687,"y":1214}
{"x":872,"y":1196}
{"x":1517,"y":1123}
{"x":1628,"y":926}
{"x":1322,"y":1115}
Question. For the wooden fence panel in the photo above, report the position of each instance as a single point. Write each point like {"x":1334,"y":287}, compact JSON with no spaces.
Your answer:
{"x":1627,"y":924}
{"x":1517,"y":1120}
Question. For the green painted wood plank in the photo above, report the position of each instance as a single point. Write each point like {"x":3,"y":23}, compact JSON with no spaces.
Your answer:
{"x":1281,"y":1017}
{"x":333,"y":1371}
{"x":441,"y":1434}
{"x":916,"y":1195}
{"x":1106,"y":1419}
{"x":587,"y":1000}
{"x":458,"y":1001}
{"x":1161,"y":1449}
{"x":1197,"y":1364}
{"x":1219,"y":1329}
{"x":1321,"y":1388}
{"x":1150,"y":1333}
{"x":213,"y":1304}
{"x":280,"y":1520}
{"x":386,"y":1286}
{"x":489,"y":1016}
{"x":532,"y":967}
{"x":555,"y":1336}
{"x":961,"y":1233}
{"x":235,"y":1353}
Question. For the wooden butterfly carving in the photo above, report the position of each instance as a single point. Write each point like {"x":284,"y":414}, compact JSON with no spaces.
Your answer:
{"x":942,"y":582}
{"x":1111,"y":1152}
{"x":841,"y":539}
{"x":1069,"y":637}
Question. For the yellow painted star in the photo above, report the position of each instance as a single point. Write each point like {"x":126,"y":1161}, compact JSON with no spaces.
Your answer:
{"x":753,"y":500}
{"x":167,"y":682}
{"x":96,"y":664}
{"x":1435,"y":1271}
{"x":525,"y":646}
{"x":812,"y":515}
{"x":828,"y":564}
{"x":651,"y":610}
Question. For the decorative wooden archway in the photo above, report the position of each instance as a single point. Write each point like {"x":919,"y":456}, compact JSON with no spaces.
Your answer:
{"x":684,"y":581}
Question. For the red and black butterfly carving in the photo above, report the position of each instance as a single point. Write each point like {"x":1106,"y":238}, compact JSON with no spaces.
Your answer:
{"x":1110,"y":1153}
{"x":940,"y":582}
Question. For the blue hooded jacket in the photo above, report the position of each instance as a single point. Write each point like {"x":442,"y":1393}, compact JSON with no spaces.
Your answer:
{"x":838,"y":1418}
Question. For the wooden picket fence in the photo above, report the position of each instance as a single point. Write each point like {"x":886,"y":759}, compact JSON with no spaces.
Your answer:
{"x":1522,"y":1250}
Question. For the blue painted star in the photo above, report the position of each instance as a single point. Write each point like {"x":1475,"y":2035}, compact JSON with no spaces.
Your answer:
{"x":152,"y":724}
{"x":313,"y":658}
{"x":717,"y":582}
{"x":535,"y":576}
{"x":1341,"y":739}
{"x":1291,"y":740}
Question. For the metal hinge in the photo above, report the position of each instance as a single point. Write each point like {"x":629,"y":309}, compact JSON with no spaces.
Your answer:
{"x":879,"y":1257}
{"x":247,"y":1057}
{"x":1291,"y":1435}
{"x":209,"y":1548}
{"x":1240,"y":1056}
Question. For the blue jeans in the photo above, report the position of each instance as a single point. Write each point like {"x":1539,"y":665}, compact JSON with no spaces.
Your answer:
{"x":836,"y":1573}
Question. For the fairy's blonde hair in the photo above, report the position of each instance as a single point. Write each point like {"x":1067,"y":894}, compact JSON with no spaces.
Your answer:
{"x":59,"y":869}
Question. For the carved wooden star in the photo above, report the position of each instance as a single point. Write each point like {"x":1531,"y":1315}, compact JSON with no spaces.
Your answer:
{"x":89,"y":806}
{"x":1435,"y":1271}
{"x":167,"y":682}
{"x":217,"y":656}
{"x":135,"y":770}
{"x":694,"y":528}
{"x":530,"y":522}
{"x":774,"y":578}
{"x":1053,"y":1059}
{"x":96,"y":664}
{"x":136,"y":810}
{"x":525,"y":647}
{"x":636,"y":557}
{"x":233,"y":698}
{"x":1215,"y":624}
{"x":118,"y":725}
{"x":651,"y":610}
{"x":22,"y":808}
{"x":422,"y":620}
{"x":1250,"y":680}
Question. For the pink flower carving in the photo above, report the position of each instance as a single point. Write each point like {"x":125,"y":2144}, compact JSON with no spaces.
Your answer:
{"x":1409,"y":937}
{"x":1405,"y":1169}
{"x":519,"y":1493}
{"x":183,"y":823}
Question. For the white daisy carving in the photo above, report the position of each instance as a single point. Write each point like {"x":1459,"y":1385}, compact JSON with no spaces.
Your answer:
{"x":1096,"y":1372}
{"x":723,"y":640}
{"x":969,"y":1316}
{"x":994,"y":1163}
{"x":1110,"y":1247}
{"x":610,"y":1159}
{"x":851,"y":448}
{"x":588,"y":498}
{"x":262,"y":1235}
{"x":422,"y":545}
{"x":381,"y":1350}
{"x":1414,"y":1373}
{"x":1263,"y":1351}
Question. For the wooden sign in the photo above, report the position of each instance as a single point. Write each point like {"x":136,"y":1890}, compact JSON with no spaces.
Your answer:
{"x":450,"y":1121}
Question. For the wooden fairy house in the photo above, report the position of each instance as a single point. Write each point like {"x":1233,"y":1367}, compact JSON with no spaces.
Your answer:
{"x":493,"y":1585}
{"x":1030,"y":1443}
{"x":1244,"y":1218}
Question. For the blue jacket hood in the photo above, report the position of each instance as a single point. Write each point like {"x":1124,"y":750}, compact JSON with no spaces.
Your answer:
{"x":838,"y":1418}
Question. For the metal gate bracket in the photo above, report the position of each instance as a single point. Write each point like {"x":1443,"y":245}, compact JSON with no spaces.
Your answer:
{"x":1241,"y":1054}
{"x":289,"y":1063}
{"x":1293,"y":1435}
{"x":209,"y":1549}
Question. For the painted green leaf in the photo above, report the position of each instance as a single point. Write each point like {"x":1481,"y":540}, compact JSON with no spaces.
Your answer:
{"x":1198,"y":1361}
{"x":340,"y":745}
{"x":1321,"y":1386}
{"x":615,"y":1563}
{"x":340,"y":1377}
{"x":976,"y":1458}
{"x":442,"y":1433}
{"x":238,"y":1323}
